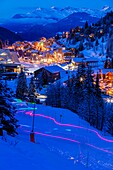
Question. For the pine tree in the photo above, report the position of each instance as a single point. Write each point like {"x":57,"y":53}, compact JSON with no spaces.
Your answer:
{"x":65,"y":96}
{"x":109,"y":50}
{"x":96,"y":44}
{"x":32,"y":88}
{"x":69,"y":90}
{"x":51,"y":101}
{"x":58,"y":93}
{"x":86,"y":25}
{"x":81,"y":47}
{"x":54,"y":95}
{"x":105,"y":64}
{"x":7,"y":111}
{"x":77,"y":88}
{"x":22,"y":89}
{"x":109,"y":125}
{"x":1,"y":44}
{"x":99,"y":105}
{"x":112,"y":63}
{"x":88,"y":98}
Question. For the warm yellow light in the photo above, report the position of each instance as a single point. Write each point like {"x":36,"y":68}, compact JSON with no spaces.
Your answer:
{"x":81,"y":79}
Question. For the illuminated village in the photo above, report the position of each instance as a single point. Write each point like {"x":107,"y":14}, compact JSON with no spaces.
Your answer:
{"x":49,"y":52}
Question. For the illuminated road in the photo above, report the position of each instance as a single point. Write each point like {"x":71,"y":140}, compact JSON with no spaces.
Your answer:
{"x":86,"y":139}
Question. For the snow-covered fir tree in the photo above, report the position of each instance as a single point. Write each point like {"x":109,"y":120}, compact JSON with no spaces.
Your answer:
{"x":54,"y":95}
{"x":86,"y":106}
{"x":7,"y":111}
{"x":50,"y":95}
{"x":110,"y":125}
{"x":65,"y":92}
{"x":77,"y":88}
{"x":22,"y":89}
{"x":32,"y":88}
{"x":58,"y":94}
{"x":81,"y":95}
{"x":99,"y":105}
{"x":109,"y":50}
{"x":68,"y":94}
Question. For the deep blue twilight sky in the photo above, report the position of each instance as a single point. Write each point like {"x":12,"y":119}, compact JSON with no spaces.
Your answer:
{"x":9,"y":7}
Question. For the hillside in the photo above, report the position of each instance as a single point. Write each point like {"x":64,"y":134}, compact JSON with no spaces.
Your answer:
{"x":65,"y":24}
{"x":91,"y":39}
{"x":6,"y":34}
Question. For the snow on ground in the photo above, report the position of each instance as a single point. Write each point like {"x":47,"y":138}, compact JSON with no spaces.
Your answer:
{"x":63,"y":142}
{"x":26,"y":155}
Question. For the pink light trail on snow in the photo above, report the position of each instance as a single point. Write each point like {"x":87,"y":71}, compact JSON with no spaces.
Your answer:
{"x":71,"y":140}
{"x":101,"y":149}
{"x":57,"y":137}
{"x":70,"y":125}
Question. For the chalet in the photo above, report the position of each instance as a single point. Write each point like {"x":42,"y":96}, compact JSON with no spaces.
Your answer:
{"x":64,"y":66}
{"x":59,"y":34}
{"x":68,"y":56}
{"x":50,"y":73}
{"x":10,"y":67}
{"x":105,"y":80}
{"x":8,"y":76}
{"x":78,"y":61}
{"x":92,"y":62}
{"x":27,"y":51}
{"x":106,"y":74}
{"x":8,"y":57}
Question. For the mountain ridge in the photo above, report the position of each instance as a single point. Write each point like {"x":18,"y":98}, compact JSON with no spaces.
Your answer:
{"x":60,"y":13}
{"x":22,"y":22}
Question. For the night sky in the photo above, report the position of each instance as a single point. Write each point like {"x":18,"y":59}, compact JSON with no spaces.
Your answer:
{"x":10,"y":7}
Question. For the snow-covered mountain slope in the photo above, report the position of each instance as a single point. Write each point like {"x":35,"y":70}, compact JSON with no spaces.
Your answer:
{"x":55,"y":14}
{"x":21,"y":22}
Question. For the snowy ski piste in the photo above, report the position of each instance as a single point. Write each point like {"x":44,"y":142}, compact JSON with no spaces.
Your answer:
{"x":66,"y":142}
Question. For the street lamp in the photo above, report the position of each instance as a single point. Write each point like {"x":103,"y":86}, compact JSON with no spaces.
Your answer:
{"x":32,"y":137}
{"x":33,"y":118}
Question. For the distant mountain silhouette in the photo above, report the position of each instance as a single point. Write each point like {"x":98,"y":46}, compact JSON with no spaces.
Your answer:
{"x":6,"y":34}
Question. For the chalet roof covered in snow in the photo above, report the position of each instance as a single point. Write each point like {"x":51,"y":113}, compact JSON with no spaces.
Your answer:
{"x":6,"y":55}
{"x":104,"y":71}
{"x":92,"y":59}
{"x":54,"y":69}
{"x":14,"y":57}
{"x":78,"y":60}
